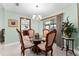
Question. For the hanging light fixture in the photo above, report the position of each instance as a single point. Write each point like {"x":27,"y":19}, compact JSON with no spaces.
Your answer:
{"x":40,"y":17}
{"x":37,"y":15}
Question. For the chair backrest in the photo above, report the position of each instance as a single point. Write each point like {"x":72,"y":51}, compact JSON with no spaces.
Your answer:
{"x":2,"y":32}
{"x":45,"y":32}
{"x":31,"y":33}
{"x":20,"y":37}
{"x":50,"y":38}
{"x":25,"y":33}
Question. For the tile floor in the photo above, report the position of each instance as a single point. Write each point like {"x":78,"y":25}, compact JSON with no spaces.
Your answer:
{"x":14,"y":50}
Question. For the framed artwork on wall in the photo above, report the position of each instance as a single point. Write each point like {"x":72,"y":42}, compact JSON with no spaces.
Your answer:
{"x":12,"y":23}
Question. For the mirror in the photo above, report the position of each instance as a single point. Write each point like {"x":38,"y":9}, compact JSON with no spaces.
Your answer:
{"x":25,"y":23}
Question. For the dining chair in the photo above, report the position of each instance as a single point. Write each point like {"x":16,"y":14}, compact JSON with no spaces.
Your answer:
{"x":45,"y":32}
{"x":25,"y":33}
{"x":24,"y":43}
{"x":31,"y":33}
{"x":2,"y":37}
{"x":50,"y":39}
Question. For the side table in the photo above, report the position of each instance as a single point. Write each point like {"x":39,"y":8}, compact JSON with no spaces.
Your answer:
{"x":67,"y":44}
{"x":35,"y":48}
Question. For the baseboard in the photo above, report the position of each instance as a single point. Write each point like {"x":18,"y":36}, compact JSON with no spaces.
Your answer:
{"x":10,"y":44}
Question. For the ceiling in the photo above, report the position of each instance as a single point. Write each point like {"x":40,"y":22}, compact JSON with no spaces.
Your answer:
{"x":29,"y":9}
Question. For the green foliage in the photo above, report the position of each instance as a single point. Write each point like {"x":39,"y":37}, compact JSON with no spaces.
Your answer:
{"x":68,"y":28}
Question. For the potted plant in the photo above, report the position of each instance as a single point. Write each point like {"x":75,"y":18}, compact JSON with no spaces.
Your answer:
{"x":68,"y":28}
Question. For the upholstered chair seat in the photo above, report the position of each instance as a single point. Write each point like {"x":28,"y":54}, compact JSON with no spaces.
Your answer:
{"x":27,"y":43}
{"x":42,"y":46}
{"x":26,"y":38}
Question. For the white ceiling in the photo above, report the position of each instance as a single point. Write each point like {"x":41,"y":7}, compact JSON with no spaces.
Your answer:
{"x":29,"y":9}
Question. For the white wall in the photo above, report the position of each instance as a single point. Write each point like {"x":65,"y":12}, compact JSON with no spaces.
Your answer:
{"x":1,"y":17}
{"x":10,"y":32}
{"x":71,"y":11}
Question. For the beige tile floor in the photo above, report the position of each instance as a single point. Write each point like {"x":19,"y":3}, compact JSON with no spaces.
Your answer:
{"x":14,"y":50}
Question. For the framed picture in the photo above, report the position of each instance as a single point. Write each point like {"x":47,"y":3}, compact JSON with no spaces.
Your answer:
{"x":12,"y":23}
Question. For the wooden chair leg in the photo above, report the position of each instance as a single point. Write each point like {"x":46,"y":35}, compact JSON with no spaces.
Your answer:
{"x":51,"y":51}
{"x":23,"y":52}
{"x":45,"y":53}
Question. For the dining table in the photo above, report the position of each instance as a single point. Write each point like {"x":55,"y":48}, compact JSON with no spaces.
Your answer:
{"x":35,"y":48}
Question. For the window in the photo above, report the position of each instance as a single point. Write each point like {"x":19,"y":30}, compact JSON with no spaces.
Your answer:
{"x":50,"y":25}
